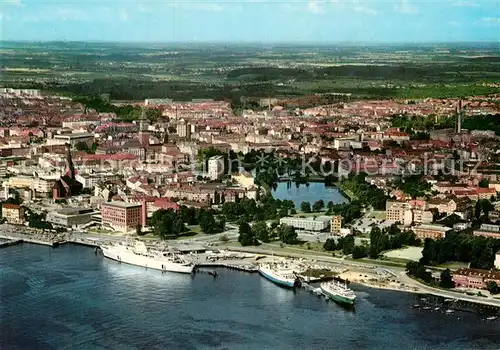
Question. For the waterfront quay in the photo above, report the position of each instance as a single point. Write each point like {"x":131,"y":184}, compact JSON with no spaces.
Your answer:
{"x":9,"y":242}
{"x":12,"y":240}
{"x":245,"y":259}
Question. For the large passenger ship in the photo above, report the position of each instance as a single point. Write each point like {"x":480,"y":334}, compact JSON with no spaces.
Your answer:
{"x":281,"y":275}
{"x":339,"y":292}
{"x":140,"y":255}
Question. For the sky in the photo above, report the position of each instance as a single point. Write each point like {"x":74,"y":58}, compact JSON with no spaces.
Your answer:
{"x":368,"y":21}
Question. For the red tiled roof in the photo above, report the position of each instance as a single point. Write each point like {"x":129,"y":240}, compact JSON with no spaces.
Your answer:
{"x":11,"y":206}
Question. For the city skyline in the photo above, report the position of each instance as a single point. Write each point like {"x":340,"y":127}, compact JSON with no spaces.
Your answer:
{"x":251,"y":21}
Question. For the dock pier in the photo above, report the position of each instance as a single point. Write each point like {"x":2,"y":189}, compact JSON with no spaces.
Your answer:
{"x":18,"y":240}
{"x":10,"y":242}
{"x":243,"y":268}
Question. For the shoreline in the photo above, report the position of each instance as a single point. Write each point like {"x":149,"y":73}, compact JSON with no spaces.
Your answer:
{"x":365,"y":276}
{"x":349,"y":274}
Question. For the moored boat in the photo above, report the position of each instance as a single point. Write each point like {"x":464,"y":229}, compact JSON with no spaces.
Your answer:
{"x":279,"y":275}
{"x":140,"y":255}
{"x":338,"y":292}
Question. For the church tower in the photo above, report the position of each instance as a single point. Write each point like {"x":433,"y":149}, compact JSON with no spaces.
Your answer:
{"x":143,"y":132}
{"x":70,"y":170}
{"x":459,"y":117}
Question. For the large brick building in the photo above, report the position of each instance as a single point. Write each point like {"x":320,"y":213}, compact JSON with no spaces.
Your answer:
{"x":474,"y":278}
{"x":13,"y":213}
{"x":430,"y":231}
{"x":121,"y":216}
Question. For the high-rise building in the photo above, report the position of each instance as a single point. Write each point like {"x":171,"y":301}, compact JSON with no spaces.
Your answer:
{"x":336,"y":224}
{"x":215,"y":167}
{"x":399,"y":212}
{"x":184,"y":130}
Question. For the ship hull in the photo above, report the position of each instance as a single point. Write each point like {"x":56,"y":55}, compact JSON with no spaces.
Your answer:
{"x":143,"y":261}
{"x":338,"y":298}
{"x":276,"y":280}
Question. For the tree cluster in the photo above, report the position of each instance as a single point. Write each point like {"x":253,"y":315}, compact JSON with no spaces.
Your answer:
{"x":412,"y":185}
{"x":83,"y":146}
{"x":247,"y":235}
{"x":126,"y":113}
{"x":390,"y":238}
{"x":317,"y":206}
{"x":483,"y":207}
{"x":492,"y":287}
{"x":203,"y":217}
{"x":345,"y":244}
{"x":261,"y":232}
{"x":483,"y":122}
{"x":364,"y":192}
{"x":166,"y":223}
{"x":287,"y":234}
{"x":418,"y":270}
{"x":37,"y":220}
{"x":411,"y":123}
{"x":478,"y":251}
{"x":446,"y":280}
{"x":267,"y":209}
{"x":348,"y":211}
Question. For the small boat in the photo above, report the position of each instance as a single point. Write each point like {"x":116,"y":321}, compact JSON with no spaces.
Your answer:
{"x":437,"y":308}
{"x":426,"y":308}
{"x":491,"y":318}
{"x":416,"y":306}
{"x":449,"y":312}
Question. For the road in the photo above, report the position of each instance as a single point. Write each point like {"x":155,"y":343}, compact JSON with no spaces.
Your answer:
{"x":447,"y":294}
{"x":270,"y":250}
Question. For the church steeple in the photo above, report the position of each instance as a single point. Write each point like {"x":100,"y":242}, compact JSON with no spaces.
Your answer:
{"x":142,"y":121}
{"x":70,"y":172}
{"x":143,"y":132}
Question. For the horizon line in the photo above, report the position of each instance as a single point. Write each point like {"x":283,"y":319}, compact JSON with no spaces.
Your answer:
{"x":250,"y":42}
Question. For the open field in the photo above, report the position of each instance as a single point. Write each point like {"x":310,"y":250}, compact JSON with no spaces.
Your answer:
{"x":405,"y":254}
{"x":187,"y":71}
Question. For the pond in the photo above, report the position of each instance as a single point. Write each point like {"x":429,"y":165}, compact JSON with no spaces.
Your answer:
{"x":311,"y":193}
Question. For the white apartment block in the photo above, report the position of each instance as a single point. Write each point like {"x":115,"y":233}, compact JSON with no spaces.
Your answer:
{"x":216,"y":167}
{"x":88,"y":181}
{"x":184,"y":130}
{"x":43,"y":185}
{"x":320,"y":223}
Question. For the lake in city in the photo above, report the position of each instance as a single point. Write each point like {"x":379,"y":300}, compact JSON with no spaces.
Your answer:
{"x":71,"y":298}
{"x":308,"y":193}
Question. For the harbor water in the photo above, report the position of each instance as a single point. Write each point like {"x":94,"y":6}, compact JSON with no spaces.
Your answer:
{"x":69,"y":297}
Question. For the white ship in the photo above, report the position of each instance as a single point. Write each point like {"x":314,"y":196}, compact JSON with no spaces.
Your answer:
{"x":281,"y":275}
{"x":338,"y":292}
{"x":140,"y":255}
